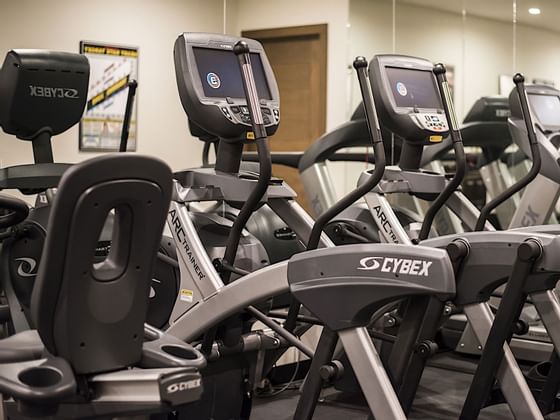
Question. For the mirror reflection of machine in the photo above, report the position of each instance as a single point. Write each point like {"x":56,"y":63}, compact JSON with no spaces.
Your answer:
{"x":538,"y":202}
{"x":486,"y":137}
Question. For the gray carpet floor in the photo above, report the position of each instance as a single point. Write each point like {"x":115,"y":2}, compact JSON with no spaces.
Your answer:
{"x":440,"y":397}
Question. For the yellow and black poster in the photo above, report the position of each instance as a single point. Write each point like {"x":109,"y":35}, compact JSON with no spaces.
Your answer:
{"x":111,"y":68}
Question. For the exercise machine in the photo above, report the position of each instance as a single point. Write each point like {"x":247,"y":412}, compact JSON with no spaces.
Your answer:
{"x":43,"y":94}
{"x":90,"y":316}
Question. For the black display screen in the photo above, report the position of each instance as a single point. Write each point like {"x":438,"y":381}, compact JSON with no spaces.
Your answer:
{"x":413,"y":88}
{"x":546,"y":109}
{"x":220,"y":75}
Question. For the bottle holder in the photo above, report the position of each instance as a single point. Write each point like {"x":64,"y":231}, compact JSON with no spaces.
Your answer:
{"x":40,"y":377}
{"x":161,"y":350}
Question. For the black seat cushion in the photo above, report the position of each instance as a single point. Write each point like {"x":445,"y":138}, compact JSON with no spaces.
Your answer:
{"x":93,"y":314}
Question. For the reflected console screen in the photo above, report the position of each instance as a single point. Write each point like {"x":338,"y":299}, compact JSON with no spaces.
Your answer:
{"x":546,"y":109}
{"x":221,"y":77}
{"x":414,"y":88}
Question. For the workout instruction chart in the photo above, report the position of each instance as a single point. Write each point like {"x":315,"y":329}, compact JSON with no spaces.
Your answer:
{"x":111,"y":68}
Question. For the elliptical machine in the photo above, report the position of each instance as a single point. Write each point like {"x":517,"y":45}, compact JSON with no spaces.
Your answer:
{"x":478,"y":266}
{"x":202,"y":91}
{"x":90,"y":316}
{"x":478,"y":270}
{"x":36,"y":114}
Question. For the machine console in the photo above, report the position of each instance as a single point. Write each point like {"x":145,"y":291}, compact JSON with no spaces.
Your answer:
{"x":42,"y":90}
{"x":211,"y":87}
{"x":544,"y":102}
{"x":489,"y":109}
{"x":407,"y":98}
{"x":544,"y":105}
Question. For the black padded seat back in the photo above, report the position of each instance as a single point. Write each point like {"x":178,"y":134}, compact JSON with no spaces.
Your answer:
{"x":93,"y":314}
{"x":42,"y":90}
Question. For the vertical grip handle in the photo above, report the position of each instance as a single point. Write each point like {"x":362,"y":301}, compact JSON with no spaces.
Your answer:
{"x":360,"y":64}
{"x":241,"y":50}
{"x":519,"y":81}
{"x":132,"y":85}
{"x":460,"y":163}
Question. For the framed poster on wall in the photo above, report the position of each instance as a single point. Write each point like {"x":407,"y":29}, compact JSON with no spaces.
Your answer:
{"x":111,"y":68}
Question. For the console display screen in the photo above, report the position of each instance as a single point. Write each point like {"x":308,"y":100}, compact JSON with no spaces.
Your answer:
{"x":546,"y":108}
{"x":221,"y":77}
{"x":413,"y":88}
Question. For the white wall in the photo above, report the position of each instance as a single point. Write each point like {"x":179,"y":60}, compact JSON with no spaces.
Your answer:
{"x":153,"y":26}
{"x":479,"y":49}
{"x":263,"y":14}
{"x":538,"y":54}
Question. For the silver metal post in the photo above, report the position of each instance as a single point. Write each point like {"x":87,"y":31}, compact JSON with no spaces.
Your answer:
{"x":376,"y":386}
{"x":512,"y":382}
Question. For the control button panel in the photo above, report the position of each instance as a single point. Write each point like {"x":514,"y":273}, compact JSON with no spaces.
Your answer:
{"x":432,"y":122}
{"x":239,"y":114}
{"x":226,"y":113}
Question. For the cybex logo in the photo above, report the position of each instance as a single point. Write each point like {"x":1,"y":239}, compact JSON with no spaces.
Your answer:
{"x":530,"y":217}
{"x":26,"y":267}
{"x":53,"y":92}
{"x":183,"y":386}
{"x":213,"y":80}
{"x":503,"y":112}
{"x":181,"y":238}
{"x":401,"y":88}
{"x":396,"y":265}
{"x":385,"y":224}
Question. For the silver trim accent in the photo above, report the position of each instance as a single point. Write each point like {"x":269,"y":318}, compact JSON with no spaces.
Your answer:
{"x":319,"y":187}
{"x":135,"y":385}
{"x":374,"y":381}
{"x":253,"y":97}
{"x":449,"y":100}
{"x":202,"y":287}
{"x":512,"y":382}
{"x":390,"y":228}
{"x":459,"y":204}
{"x":548,"y":307}
{"x":537,"y":203}
{"x":230,"y":299}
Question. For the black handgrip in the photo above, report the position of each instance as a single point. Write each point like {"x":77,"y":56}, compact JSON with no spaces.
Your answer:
{"x":360,"y":64}
{"x":132,"y":85}
{"x":241,"y":49}
{"x":18,"y":210}
{"x":519,"y":81}
{"x":455,"y":134}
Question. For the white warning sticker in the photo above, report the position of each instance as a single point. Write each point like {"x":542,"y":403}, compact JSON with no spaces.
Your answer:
{"x":186,"y":295}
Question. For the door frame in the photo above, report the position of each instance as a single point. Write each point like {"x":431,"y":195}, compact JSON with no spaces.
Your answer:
{"x":320,"y":31}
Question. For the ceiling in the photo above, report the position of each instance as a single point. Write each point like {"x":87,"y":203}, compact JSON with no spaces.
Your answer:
{"x":501,"y":10}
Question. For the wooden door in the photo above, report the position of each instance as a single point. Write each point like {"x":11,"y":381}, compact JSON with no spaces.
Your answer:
{"x":298,"y":56}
